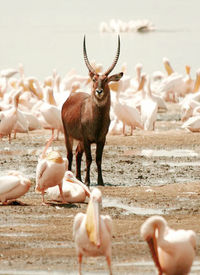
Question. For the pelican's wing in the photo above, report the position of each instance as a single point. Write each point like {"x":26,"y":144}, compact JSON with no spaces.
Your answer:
{"x":192,"y":238}
{"x":108,"y":222}
{"x":41,"y":167}
{"x":77,"y":222}
{"x":8,"y":183}
{"x":2,"y":116}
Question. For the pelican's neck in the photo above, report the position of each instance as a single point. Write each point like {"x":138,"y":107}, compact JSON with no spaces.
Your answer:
{"x":138,"y":74}
{"x":16,"y":100}
{"x":162,"y":230}
{"x":141,"y":85}
{"x":160,"y":226}
{"x":149,"y":92}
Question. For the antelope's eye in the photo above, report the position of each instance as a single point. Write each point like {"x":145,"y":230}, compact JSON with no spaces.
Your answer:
{"x":94,"y":79}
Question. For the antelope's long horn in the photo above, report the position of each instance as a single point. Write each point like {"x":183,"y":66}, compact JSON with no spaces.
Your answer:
{"x":91,"y":70}
{"x":115,"y":60}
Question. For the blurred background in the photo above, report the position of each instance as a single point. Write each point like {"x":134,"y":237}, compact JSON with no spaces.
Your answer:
{"x":48,"y":34}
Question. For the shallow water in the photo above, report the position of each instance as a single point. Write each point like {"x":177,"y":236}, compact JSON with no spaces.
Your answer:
{"x":130,"y":209}
{"x":177,"y":153}
{"x":49,"y":35}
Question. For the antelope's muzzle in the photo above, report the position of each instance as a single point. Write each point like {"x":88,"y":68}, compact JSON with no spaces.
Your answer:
{"x":99,"y":92}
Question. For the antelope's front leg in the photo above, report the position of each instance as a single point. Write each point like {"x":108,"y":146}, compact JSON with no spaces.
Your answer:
{"x":88,"y":155}
{"x":79,"y":153}
{"x":99,"y":152}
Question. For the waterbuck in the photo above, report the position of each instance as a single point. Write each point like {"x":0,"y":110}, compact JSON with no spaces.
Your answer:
{"x":86,"y":118}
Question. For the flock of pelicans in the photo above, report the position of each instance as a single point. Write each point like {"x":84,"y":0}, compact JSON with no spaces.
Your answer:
{"x":118,"y":26}
{"x":27,"y":104}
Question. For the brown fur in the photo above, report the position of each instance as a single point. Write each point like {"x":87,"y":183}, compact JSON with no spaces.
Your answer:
{"x":86,"y":118}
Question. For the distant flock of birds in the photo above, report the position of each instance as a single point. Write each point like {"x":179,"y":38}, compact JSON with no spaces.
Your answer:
{"x":118,"y":26}
{"x":27,"y":104}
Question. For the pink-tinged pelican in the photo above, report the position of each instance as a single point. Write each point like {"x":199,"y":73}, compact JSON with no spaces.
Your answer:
{"x":50,"y":171}
{"x":92,"y":231}
{"x":8,"y":118}
{"x":173,"y":251}
{"x":148,"y":107}
{"x":12,"y":186}
{"x":73,"y":190}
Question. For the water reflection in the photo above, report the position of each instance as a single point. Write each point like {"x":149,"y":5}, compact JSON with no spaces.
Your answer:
{"x":130,"y":209}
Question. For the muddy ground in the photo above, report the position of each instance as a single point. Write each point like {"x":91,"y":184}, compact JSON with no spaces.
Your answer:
{"x":147,"y":173}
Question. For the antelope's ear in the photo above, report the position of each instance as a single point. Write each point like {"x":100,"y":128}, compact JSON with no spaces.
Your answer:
{"x":91,"y":74}
{"x":115,"y":77}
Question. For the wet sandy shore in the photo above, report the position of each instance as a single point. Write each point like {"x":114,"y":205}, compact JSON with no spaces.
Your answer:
{"x":145,"y":174}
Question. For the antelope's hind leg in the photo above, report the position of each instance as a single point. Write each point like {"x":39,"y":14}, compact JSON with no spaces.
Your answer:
{"x":79,"y":154}
{"x":69,"y":146}
{"x":88,"y":155}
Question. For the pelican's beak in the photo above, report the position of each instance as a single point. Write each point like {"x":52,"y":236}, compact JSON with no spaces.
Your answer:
{"x":93,"y":223}
{"x":187,"y":69}
{"x":168,"y":68}
{"x":47,"y":146}
{"x":13,"y":84}
{"x":152,"y":243}
{"x":52,"y":100}
{"x":34,"y":90}
{"x":141,"y":84}
{"x":197,"y":83}
{"x":114,"y":86}
{"x":88,"y":81}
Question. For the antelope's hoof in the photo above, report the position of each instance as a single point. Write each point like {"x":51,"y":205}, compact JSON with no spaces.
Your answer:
{"x":101,"y":183}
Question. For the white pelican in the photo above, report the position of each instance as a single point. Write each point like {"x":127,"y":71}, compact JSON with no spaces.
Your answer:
{"x":175,"y":85}
{"x":51,"y":113}
{"x":127,"y":114}
{"x":70,"y":79}
{"x":12,"y":186}
{"x":168,"y":66}
{"x":116,"y":127}
{"x":189,"y":82}
{"x":35,"y":87}
{"x":73,"y":190}
{"x":192,"y":124}
{"x":50,"y":171}
{"x":21,"y":125}
{"x":191,"y":98}
{"x":27,"y":101}
{"x":135,"y":82}
{"x":173,"y":251}
{"x":197,"y":82}
{"x":7,"y":73}
{"x":8,"y":118}
{"x":33,"y":122}
{"x":104,"y":27}
{"x":92,"y":231}
{"x":188,"y":108}
{"x":148,"y":108}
